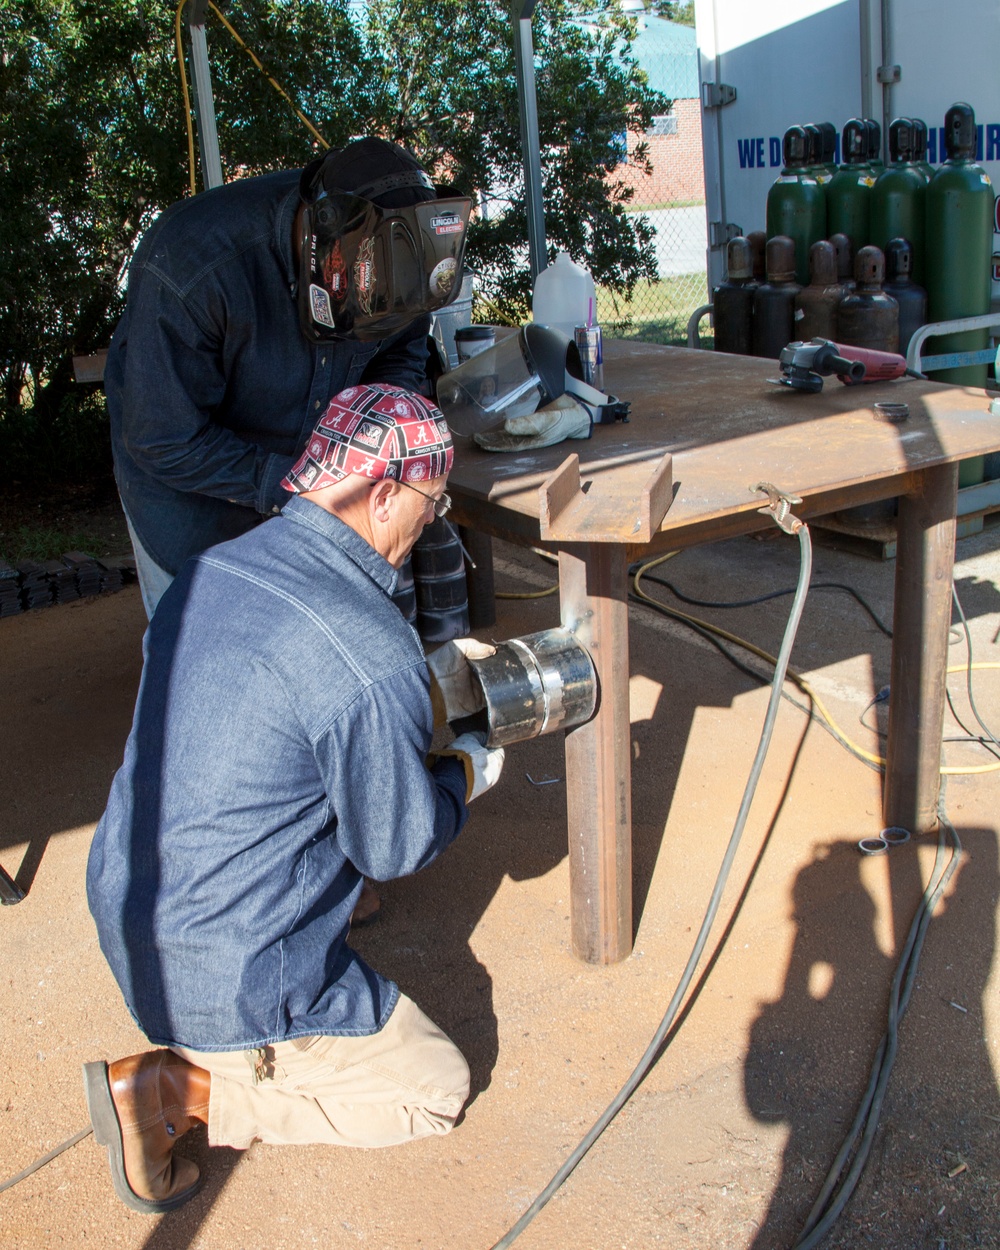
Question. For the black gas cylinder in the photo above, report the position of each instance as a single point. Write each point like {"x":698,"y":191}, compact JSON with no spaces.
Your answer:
{"x":732,"y":305}
{"x":774,"y":300}
{"x":816,"y":304}
{"x":868,"y":317}
{"x":911,"y":298}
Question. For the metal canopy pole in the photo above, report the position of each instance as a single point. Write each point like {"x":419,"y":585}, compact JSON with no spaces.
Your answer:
{"x":524,"y":53}
{"x":204,"y":102}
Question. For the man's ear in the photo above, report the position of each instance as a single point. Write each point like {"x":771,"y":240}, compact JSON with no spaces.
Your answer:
{"x":380,"y":496}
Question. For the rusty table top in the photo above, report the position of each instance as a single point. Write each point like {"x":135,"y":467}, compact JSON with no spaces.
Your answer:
{"x":727,"y":428}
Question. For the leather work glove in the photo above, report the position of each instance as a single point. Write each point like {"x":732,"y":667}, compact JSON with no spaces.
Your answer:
{"x":455,"y":692}
{"x":483,"y":764}
{"x":563,"y":418}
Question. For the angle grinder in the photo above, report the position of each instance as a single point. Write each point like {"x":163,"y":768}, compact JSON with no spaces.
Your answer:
{"x":804,"y":365}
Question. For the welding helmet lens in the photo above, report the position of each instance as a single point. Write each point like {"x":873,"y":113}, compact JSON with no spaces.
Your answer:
{"x":367,"y":272}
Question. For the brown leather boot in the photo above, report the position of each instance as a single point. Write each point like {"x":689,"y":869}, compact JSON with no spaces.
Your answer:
{"x":139,"y":1107}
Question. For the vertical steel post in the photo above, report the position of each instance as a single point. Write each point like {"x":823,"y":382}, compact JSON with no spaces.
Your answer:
{"x":925,"y":557}
{"x":593,"y":594}
{"x":204,"y":101}
{"x":524,"y":56}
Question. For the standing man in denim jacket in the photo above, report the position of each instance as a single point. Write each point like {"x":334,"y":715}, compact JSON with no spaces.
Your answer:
{"x":248,"y":307}
{"x":278,"y":752}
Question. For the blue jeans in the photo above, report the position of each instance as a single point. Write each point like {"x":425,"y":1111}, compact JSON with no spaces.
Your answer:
{"x":153,"y":580}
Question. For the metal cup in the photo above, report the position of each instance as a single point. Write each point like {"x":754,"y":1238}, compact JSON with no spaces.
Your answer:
{"x":589,"y":345}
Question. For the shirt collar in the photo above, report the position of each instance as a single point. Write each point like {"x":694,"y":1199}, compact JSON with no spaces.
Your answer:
{"x":305,"y":512}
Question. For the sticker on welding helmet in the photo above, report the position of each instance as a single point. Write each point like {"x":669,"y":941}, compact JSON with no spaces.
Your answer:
{"x":364,"y":274}
{"x":447,"y":223}
{"x":442,"y":278}
{"x":319,"y":303}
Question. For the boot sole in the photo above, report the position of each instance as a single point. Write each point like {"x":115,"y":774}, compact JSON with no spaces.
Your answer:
{"x":108,"y":1133}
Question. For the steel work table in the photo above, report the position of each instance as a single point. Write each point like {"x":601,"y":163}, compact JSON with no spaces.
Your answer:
{"x":727,"y":428}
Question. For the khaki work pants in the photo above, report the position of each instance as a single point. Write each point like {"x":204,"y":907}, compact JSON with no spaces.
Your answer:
{"x":406,"y":1081}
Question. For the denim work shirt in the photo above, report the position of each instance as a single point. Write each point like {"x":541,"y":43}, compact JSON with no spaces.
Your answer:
{"x":278,"y":753}
{"x":212,"y":386}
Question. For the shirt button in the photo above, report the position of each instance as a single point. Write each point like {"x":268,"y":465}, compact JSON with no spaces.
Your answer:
{"x":315,"y":403}
{"x":323,"y":361}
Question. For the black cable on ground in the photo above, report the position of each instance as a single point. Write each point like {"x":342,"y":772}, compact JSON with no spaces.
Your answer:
{"x":47,"y":1158}
{"x":654,"y":1049}
{"x":840,"y":1185}
{"x":773,"y":594}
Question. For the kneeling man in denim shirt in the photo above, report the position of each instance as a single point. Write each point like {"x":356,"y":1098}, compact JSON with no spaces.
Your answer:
{"x":278,"y":754}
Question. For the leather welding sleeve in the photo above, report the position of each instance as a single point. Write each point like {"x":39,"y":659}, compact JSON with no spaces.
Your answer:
{"x":482,"y":764}
{"x":455,"y":692}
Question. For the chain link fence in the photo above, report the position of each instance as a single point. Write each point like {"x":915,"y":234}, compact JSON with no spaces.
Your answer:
{"x":672,"y":196}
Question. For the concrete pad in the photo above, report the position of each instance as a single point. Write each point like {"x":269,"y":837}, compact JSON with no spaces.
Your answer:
{"x":726,"y":1142}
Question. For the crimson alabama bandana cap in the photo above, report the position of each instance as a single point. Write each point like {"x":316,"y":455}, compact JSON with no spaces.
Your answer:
{"x":376,"y":431}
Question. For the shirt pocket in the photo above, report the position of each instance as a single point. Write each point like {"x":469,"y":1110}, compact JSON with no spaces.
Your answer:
{"x":361,"y":359}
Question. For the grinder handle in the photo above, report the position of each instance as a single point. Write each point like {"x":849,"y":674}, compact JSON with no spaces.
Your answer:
{"x":876,"y":366}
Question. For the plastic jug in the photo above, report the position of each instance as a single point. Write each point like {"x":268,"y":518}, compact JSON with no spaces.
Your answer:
{"x":564,"y":296}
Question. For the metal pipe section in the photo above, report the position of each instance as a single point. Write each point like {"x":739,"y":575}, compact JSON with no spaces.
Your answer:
{"x":204,"y":101}
{"x":535,"y":685}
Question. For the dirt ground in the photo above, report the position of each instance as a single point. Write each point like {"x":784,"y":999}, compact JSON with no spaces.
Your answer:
{"x":726,"y":1142}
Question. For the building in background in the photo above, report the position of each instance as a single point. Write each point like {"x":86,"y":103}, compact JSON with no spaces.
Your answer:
{"x":672,"y":197}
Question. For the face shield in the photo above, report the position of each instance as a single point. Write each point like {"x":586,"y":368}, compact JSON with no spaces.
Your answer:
{"x":367,"y":272}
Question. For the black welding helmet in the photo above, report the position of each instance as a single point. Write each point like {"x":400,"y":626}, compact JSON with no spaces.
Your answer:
{"x":380,"y":244}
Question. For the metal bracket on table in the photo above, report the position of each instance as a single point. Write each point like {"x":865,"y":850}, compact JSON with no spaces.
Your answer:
{"x":571,"y":511}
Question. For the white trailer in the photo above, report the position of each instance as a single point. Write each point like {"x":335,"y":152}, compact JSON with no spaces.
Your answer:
{"x":770,"y":64}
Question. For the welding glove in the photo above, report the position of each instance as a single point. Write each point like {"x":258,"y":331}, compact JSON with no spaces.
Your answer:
{"x":563,"y":418}
{"x":483,"y":764}
{"x":455,"y":692}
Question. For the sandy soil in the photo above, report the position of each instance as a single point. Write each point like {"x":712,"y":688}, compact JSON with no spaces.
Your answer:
{"x":726,"y":1142}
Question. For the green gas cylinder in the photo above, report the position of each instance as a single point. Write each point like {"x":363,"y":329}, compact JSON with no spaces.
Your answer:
{"x":958,"y":244}
{"x":874,"y":131}
{"x":920,"y":147}
{"x":796,"y":206}
{"x":828,"y":146}
{"x":848,"y":191}
{"x":815,"y":148}
{"x":897,"y":198}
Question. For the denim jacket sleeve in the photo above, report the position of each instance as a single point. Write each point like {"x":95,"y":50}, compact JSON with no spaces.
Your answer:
{"x":394,"y":815}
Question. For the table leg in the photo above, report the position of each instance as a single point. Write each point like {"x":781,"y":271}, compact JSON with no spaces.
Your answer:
{"x":925,"y":557}
{"x":593,"y":587}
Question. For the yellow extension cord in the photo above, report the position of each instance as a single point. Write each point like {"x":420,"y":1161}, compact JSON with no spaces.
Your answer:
{"x":253,"y":57}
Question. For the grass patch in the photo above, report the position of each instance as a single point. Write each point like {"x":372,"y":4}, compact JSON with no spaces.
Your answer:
{"x":663,"y":205}
{"x":43,"y":542}
{"x":658,"y":312}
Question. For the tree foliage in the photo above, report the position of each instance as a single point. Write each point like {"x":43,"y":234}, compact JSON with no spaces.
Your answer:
{"x":93,"y":142}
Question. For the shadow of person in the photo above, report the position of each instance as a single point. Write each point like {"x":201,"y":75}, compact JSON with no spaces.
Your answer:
{"x":810,"y":1052}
